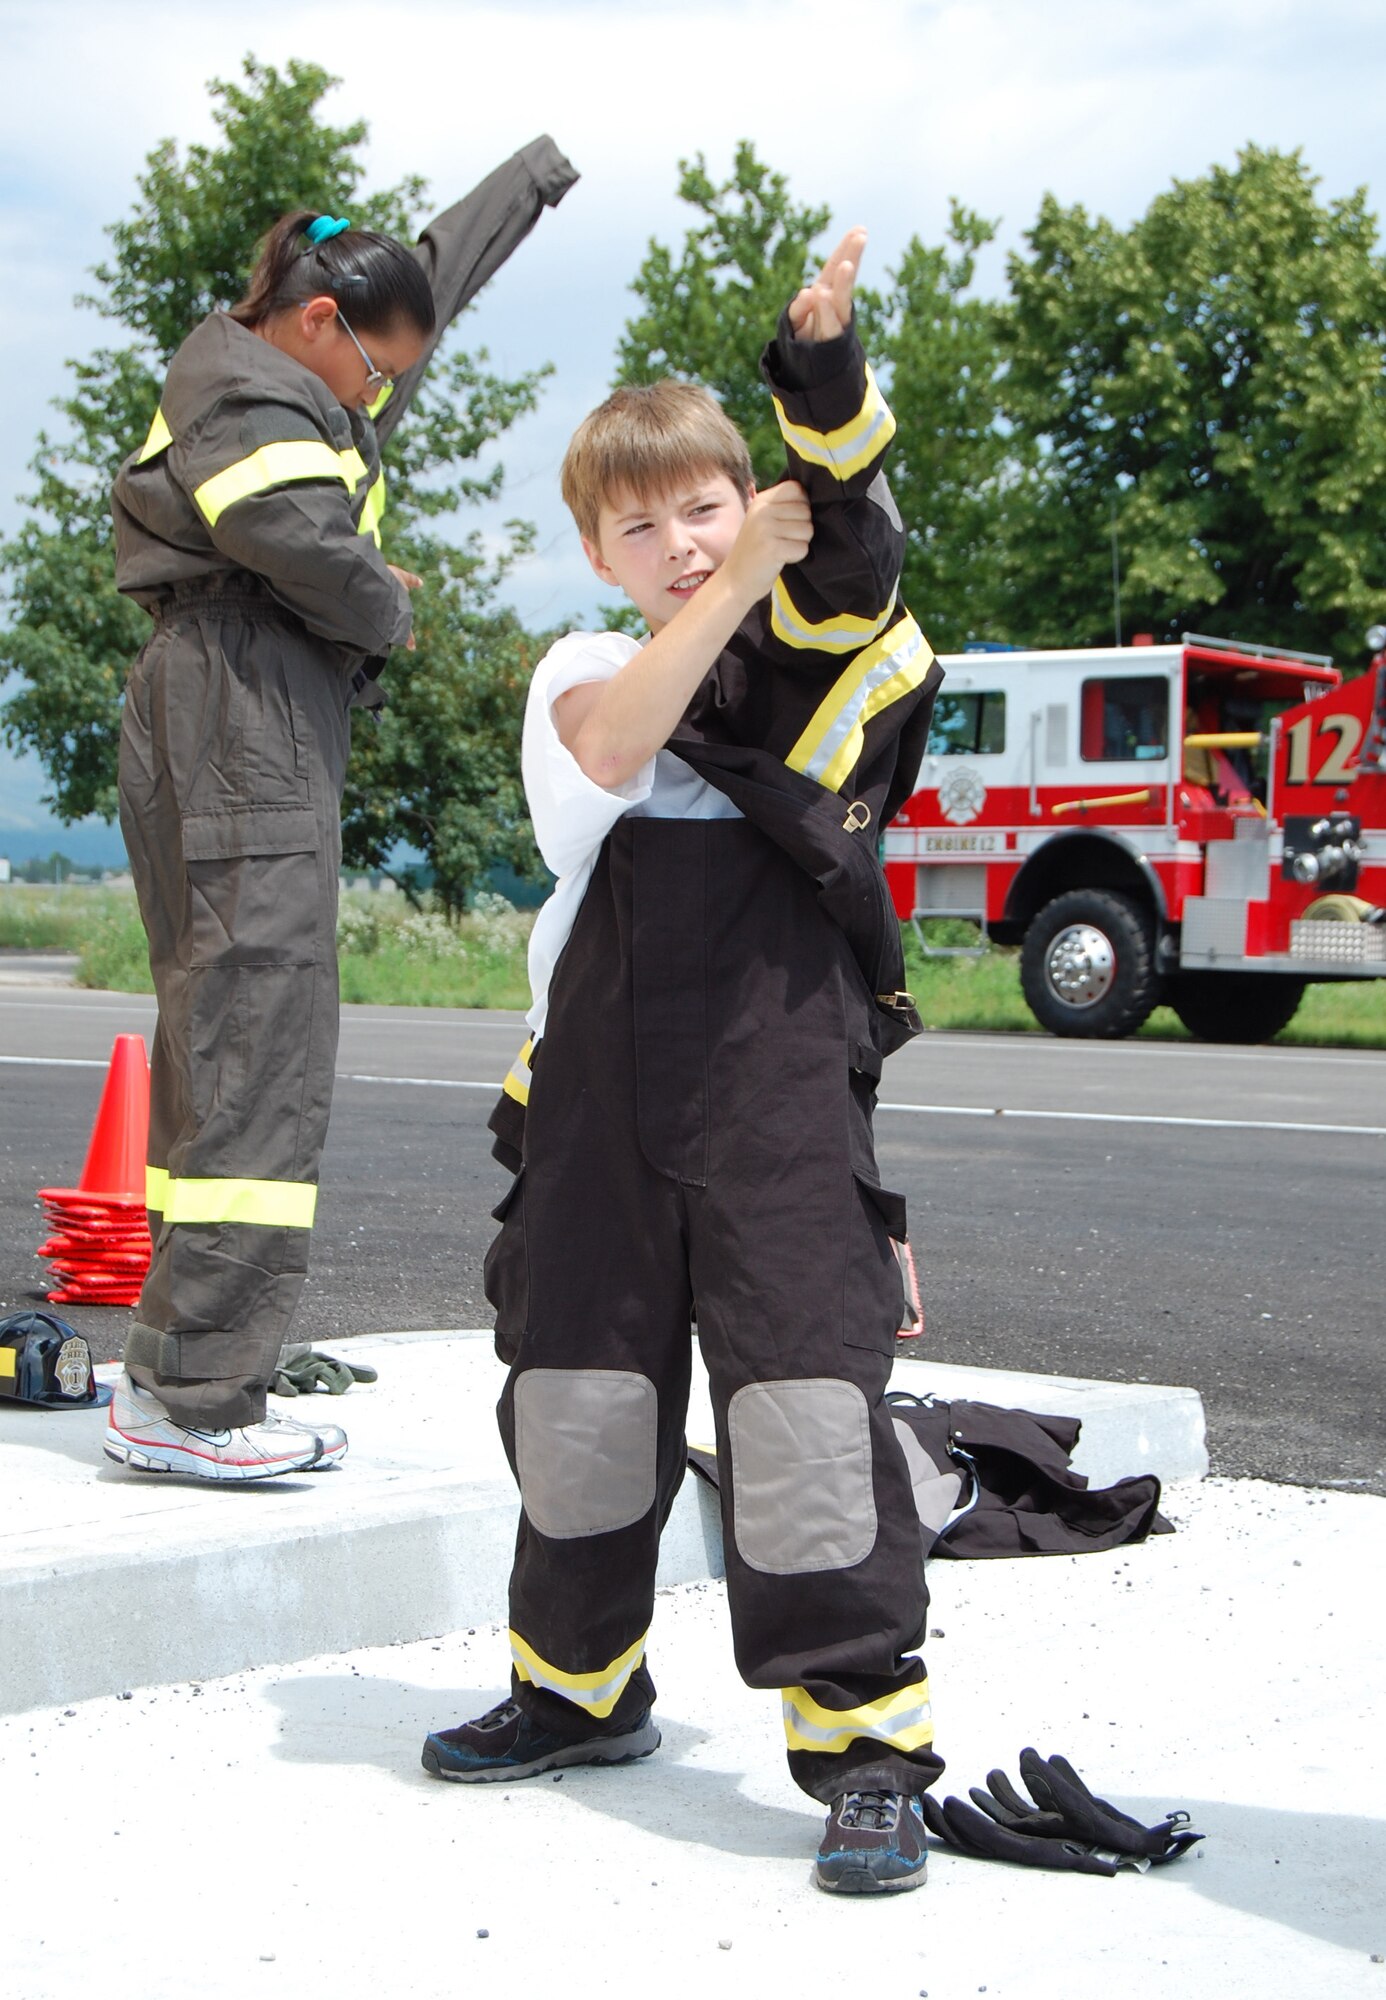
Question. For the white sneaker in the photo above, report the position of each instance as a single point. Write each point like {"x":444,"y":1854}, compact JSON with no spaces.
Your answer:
{"x":140,"y":1433}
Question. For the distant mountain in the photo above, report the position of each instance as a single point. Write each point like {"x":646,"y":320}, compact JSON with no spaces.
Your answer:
{"x":28,"y":828}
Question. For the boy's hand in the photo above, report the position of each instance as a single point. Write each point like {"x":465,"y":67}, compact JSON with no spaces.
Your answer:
{"x":777,"y":531}
{"x":823,"y":309}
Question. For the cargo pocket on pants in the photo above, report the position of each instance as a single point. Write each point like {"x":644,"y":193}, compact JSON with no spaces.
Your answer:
{"x":505,"y":1274}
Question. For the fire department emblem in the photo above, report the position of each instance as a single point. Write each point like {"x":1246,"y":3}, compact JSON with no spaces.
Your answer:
{"x":73,"y":1367}
{"x":961,"y":795}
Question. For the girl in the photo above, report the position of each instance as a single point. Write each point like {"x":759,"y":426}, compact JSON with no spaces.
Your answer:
{"x":248,"y":526}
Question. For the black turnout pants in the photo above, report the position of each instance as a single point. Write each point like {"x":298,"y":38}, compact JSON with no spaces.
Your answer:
{"x":698,"y":1137}
{"x":232,"y":760}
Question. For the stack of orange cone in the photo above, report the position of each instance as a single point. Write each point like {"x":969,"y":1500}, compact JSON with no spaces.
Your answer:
{"x":100,"y":1247}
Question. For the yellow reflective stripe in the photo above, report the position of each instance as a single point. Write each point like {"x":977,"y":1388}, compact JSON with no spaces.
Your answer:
{"x":159,"y":439}
{"x":156,"y":1188}
{"x":852,"y":446}
{"x":842,"y":633}
{"x":829,"y":748}
{"x":517,"y":1083}
{"x":373,"y":510}
{"x":277,"y":465}
{"x":9,"y":1361}
{"x":903,"y":1720}
{"x":269,"y":1204}
{"x":374,"y":409}
{"x":598,"y":1693}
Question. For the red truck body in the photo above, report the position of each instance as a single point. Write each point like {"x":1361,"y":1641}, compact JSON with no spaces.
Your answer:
{"x":1201,"y":823}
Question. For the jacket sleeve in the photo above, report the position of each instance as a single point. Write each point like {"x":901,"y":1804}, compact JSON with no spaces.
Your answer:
{"x":274,"y":495}
{"x":836,"y":617}
{"x":467,"y":244}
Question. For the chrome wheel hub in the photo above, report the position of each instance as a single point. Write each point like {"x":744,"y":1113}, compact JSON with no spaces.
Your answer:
{"x":1080,"y":966}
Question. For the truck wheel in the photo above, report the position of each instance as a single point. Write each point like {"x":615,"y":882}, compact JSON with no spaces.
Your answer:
{"x":1234,"y":1006}
{"x":1087,"y":966}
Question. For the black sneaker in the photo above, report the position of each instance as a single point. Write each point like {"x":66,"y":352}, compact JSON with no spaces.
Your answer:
{"x":873,"y":1843}
{"x":504,"y":1743}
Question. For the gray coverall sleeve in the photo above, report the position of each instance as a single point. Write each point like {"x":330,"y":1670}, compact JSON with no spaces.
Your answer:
{"x":276,"y":500}
{"x":467,"y":244}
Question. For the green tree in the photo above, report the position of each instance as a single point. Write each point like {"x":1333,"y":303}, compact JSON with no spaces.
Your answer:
{"x":707,"y":314}
{"x":185,"y":249}
{"x":1211,"y":380}
{"x":708,"y":311}
{"x":936,"y":349}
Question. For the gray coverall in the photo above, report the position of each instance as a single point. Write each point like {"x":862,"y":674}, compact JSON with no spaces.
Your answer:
{"x":248,"y":526}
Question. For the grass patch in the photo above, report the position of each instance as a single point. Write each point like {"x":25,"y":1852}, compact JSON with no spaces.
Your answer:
{"x":112,"y":952}
{"x":392,"y":956}
{"x":40,"y":917}
{"x":984,"y":994}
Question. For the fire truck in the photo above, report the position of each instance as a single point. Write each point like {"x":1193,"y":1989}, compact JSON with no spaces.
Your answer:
{"x":1201,"y":825}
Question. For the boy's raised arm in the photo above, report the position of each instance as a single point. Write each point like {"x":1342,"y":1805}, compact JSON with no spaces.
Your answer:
{"x":836,"y":427}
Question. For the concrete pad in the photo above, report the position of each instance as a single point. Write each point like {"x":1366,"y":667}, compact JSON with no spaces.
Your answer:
{"x":272,"y":1834}
{"x":411,"y":1537}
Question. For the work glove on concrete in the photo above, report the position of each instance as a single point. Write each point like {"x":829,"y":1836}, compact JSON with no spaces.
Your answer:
{"x":301,"y":1370}
{"x":1062,"y":1825}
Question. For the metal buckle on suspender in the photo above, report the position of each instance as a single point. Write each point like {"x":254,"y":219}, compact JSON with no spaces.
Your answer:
{"x":858,"y":817}
{"x":895,"y":1003}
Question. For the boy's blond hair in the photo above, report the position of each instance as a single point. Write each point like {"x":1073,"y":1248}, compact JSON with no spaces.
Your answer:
{"x":649,"y":440}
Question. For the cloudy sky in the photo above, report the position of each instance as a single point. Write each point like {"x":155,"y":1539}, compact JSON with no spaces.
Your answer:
{"x":880,"y":108}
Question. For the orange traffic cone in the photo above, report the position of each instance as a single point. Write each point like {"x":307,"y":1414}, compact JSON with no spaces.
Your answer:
{"x":115,"y":1158}
{"x":100,"y":1248}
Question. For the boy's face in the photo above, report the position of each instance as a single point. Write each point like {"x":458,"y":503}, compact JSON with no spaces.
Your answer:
{"x":661,"y":550}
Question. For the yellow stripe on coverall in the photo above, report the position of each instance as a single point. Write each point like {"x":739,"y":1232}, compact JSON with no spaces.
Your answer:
{"x":159,"y":439}
{"x":903,"y":1721}
{"x":844,"y":632}
{"x":373,"y":511}
{"x":520,"y":1077}
{"x":852,"y":446}
{"x":598,"y":1692}
{"x":893,"y":666}
{"x":273,"y":465}
{"x":266,"y":1204}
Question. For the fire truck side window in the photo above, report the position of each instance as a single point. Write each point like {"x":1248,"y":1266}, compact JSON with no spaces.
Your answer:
{"x":1124,"y":721}
{"x":969,"y":725}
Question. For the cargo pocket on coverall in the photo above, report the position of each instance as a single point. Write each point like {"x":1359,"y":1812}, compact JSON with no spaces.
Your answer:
{"x":874,"y":1291}
{"x":505,"y":1274}
{"x":253,"y":885}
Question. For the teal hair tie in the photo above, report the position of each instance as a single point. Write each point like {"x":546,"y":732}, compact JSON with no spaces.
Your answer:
{"x":319,"y":231}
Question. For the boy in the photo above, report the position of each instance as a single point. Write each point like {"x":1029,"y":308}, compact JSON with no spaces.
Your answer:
{"x":716,"y":980}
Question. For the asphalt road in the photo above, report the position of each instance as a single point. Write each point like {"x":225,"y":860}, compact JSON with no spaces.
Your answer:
{"x":1130,"y":1211}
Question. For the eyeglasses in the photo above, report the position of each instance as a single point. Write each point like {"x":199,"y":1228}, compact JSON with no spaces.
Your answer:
{"x":376,"y":378}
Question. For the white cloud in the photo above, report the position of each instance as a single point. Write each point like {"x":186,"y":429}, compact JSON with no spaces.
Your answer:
{"x":883,"y":111}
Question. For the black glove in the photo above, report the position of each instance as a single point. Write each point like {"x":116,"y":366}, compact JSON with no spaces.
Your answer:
{"x":301,"y":1370}
{"x":1063,"y":1825}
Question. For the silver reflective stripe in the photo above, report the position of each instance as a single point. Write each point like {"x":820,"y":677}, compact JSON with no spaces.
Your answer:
{"x":801,"y":1475}
{"x":858,"y":704}
{"x":585,"y":1441}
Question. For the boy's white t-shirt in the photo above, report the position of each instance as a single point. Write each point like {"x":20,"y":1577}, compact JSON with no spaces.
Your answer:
{"x":572,"y":815}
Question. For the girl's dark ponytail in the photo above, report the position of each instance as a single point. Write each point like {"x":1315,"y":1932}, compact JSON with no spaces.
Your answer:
{"x":374,"y":279}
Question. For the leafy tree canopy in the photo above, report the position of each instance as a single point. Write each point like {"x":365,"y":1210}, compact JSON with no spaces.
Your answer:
{"x":1212,"y":379}
{"x":185,"y":249}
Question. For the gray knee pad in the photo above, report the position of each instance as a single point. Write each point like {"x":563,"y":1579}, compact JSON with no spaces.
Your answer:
{"x":801,"y":1475}
{"x":585,"y":1449}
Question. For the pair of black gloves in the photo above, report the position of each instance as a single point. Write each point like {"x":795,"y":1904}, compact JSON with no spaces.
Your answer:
{"x":1061,"y":1825}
